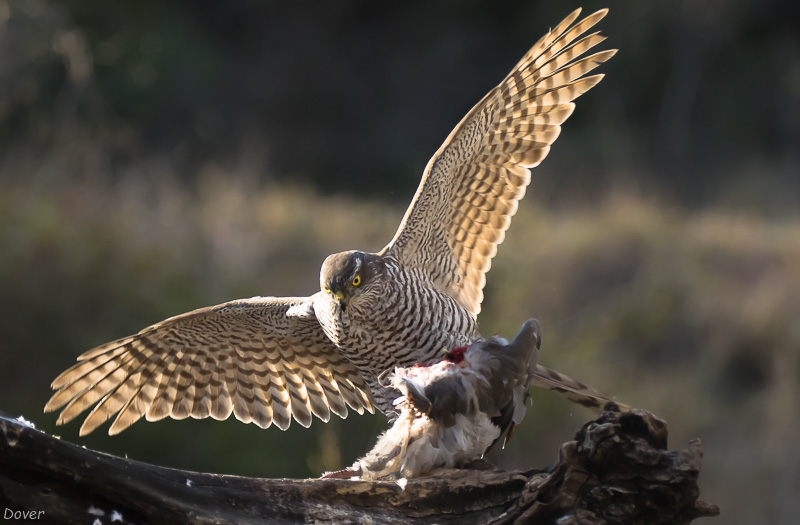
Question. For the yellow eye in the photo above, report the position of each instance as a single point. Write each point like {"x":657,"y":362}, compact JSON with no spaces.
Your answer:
{"x":356,"y":280}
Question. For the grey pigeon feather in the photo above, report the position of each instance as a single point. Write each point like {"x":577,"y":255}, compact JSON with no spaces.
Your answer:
{"x":455,"y":409}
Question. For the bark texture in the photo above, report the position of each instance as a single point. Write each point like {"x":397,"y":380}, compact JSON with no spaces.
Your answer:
{"x":617,"y":470}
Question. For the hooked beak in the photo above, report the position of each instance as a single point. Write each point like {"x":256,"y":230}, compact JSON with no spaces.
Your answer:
{"x":339,"y":297}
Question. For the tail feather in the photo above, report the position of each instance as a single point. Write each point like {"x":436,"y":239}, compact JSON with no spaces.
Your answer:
{"x":573,"y":390}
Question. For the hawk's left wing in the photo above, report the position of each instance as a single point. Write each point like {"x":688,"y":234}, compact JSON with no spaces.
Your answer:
{"x":473,"y":183}
{"x":259,"y":359}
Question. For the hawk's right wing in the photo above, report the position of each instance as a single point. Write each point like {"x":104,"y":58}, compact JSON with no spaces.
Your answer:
{"x":245,"y":357}
{"x":472,"y":185}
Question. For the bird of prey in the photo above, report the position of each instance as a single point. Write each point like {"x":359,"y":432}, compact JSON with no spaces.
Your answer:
{"x":454,"y":410}
{"x":268,"y":360}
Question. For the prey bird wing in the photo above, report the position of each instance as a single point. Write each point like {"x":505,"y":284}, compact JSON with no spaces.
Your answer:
{"x":254,"y":358}
{"x":471,"y":187}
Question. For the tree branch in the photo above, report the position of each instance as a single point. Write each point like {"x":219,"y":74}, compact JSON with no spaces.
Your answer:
{"x":617,"y":470}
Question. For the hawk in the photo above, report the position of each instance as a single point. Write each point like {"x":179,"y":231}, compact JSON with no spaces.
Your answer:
{"x":267,"y":360}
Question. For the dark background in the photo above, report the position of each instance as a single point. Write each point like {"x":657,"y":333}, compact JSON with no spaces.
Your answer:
{"x":156,"y":157}
{"x":354,"y":96}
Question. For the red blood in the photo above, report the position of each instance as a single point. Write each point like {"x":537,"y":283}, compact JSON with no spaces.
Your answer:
{"x":456,"y":355}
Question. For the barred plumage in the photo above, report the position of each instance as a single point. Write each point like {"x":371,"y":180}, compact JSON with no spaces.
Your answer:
{"x":266,"y":360}
{"x":243,"y":357}
{"x":472,"y":185}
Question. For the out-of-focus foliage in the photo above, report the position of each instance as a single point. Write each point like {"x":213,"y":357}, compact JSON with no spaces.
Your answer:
{"x":702,"y":100}
{"x":158,"y":158}
{"x":692,"y":315}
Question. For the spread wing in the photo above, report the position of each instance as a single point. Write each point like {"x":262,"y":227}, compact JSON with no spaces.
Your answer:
{"x":254,"y":358}
{"x":472,"y":185}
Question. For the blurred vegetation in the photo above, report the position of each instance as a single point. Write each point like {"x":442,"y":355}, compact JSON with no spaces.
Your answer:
{"x":703,"y":98}
{"x":690,"y":315}
{"x":155,"y":158}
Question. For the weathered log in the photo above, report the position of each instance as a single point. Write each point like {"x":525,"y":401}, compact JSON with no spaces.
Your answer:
{"x":617,"y":470}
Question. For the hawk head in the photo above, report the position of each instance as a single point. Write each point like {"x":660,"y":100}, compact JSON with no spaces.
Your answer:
{"x":346,"y":275}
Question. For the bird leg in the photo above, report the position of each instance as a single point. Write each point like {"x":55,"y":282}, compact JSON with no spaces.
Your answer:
{"x":345,"y":473}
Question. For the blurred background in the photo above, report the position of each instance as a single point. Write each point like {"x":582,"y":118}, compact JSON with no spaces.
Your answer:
{"x":159,"y":157}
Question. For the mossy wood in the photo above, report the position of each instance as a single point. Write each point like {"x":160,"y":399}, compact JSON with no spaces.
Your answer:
{"x":617,"y":470}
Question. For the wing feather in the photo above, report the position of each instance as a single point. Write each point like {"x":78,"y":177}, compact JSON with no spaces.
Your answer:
{"x":472,"y":186}
{"x":247,"y":358}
